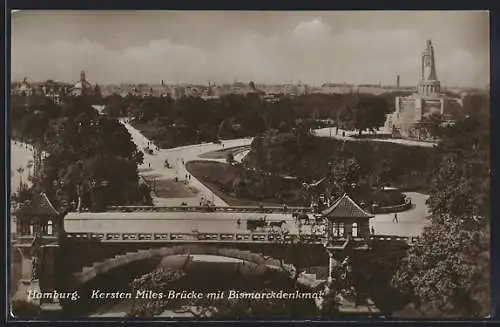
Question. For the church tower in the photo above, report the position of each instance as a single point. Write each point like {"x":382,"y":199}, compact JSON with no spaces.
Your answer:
{"x":82,"y":76}
{"x":429,"y":84}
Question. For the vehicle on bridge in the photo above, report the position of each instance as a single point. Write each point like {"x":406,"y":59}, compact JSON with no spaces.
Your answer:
{"x":253,"y":224}
{"x":278,"y":224}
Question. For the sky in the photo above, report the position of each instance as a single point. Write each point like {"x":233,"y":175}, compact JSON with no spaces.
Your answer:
{"x":267,"y":47}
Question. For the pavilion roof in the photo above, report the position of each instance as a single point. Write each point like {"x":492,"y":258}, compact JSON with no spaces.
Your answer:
{"x":39,"y":206}
{"x":345,"y":207}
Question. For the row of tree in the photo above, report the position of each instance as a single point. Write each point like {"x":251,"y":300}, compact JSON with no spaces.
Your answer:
{"x":193,"y":120}
{"x":90,"y":160}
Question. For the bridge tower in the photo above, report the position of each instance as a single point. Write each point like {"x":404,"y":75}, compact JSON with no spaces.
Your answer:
{"x":37,"y":243}
{"x":347,"y":230}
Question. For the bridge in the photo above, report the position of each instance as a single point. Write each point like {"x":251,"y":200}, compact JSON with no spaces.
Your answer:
{"x":69,"y":252}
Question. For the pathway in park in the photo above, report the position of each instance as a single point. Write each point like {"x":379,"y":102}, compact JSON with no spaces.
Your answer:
{"x":349,"y":135}
{"x":177,"y":157}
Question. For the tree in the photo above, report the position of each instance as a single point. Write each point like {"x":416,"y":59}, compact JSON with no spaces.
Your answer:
{"x":460,"y":184}
{"x":160,"y":279}
{"x":431,"y":125}
{"x":23,"y":194}
{"x":362,"y":112}
{"x":91,"y":159}
{"x":255,"y":280}
{"x":382,"y":172}
{"x":345,"y":173}
{"x":447,"y":270}
{"x":229,"y":157}
{"x":20,"y":171}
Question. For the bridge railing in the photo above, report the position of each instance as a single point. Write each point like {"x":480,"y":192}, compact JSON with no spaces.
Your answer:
{"x":255,"y":237}
{"x":248,"y":237}
{"x":208,"y":209}
{"x":392,"y":238}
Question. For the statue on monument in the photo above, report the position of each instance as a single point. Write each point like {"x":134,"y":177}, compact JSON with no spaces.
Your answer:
{"x":428,"y":63}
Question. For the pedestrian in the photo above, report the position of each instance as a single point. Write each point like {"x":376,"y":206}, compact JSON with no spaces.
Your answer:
{"x":238,"y":222}
{"x":189,"y":177}
{"x":373,"y":231}
{"x":395,"y":219}
{"x":149,"y":164}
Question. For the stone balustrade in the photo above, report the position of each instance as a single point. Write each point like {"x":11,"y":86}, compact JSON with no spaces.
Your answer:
{"x":207,"y":208}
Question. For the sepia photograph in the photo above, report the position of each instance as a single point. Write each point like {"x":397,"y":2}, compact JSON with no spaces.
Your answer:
{"x":249,"y":165}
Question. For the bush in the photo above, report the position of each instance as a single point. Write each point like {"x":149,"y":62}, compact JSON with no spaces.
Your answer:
{"x":388,"y":198}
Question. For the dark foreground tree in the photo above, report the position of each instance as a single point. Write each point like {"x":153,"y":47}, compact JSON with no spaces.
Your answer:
{"x":447,"y":271}
{"x":230,"y":306}
{"x":90,"y":161}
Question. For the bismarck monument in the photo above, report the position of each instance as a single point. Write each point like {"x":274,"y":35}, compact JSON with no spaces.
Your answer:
{"x":409,"y":120}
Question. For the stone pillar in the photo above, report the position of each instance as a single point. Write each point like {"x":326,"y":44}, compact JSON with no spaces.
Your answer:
{"x":28,"y":284}
{"x":48,"y":273}
{"x":332,"y":264}
{"x":38,"y":274}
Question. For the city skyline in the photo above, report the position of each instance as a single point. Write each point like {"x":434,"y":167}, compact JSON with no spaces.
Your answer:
{"x":267,"y":47}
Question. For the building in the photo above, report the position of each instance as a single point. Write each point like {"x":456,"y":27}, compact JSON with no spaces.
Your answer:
{"x":82,"y":87}
{"x":409,"y":118}
{"x":24,"y":88}
{"x":55,"y":90}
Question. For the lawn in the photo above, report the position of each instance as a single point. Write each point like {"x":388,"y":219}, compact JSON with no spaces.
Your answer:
{"x":222,"y":154}
{"x":169,"y":188}
{"x":209,"y":170}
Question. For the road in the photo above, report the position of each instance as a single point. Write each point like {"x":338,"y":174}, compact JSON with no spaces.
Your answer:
{"x":410,"y":222}
{"x":348,"y":135}
{"x":154,"y":166}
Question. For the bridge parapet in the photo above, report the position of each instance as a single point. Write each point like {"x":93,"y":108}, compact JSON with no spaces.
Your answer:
{"x":394,"y":238}
{"x":250,"y":237}
{"x":255,"y":237}
{"x":209,"y":209}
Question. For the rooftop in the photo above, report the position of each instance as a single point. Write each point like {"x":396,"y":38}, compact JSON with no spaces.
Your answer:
{"x":39,"y":206}
{"x":345,"y":207}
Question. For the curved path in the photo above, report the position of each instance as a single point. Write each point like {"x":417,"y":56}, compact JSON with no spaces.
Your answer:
{"x":331,"y":132}
{"x":177,"y":157}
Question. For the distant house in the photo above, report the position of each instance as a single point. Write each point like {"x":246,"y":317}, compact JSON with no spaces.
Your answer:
{"x":210,"y":97}
{"x":99,"y":109}
{"x":24,"y":88}
{"x":82,"y":87}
